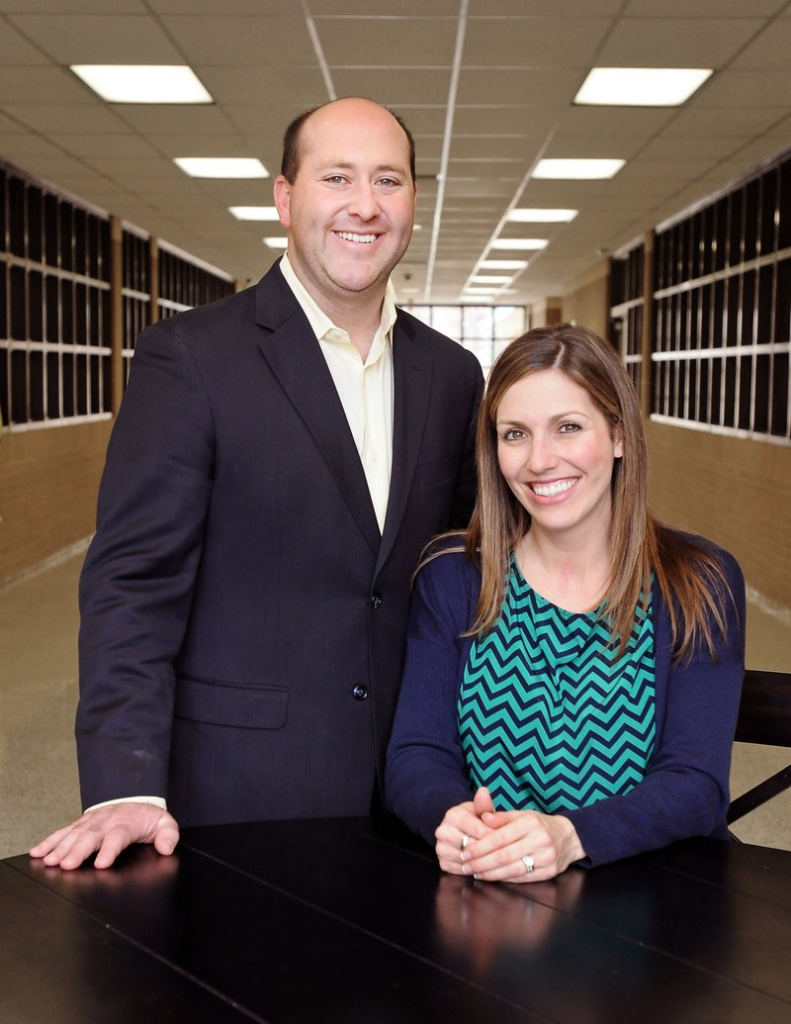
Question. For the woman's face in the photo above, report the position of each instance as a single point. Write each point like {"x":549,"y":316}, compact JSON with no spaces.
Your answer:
{"x":556,"y":452}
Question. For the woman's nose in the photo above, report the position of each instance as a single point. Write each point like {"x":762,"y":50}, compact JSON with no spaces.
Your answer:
{"x":542,"y":456}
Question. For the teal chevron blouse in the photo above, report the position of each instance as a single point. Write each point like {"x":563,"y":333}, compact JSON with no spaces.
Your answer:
{"x":550,"y":717}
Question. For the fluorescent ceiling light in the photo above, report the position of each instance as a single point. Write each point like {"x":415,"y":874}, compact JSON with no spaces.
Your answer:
{"x":143,"y":83}
{"x":641,"y":87}
{"x":503,"y":265}
{"x":486,"y":279}
{"x":255,"y":212}
{"x":221,"y":167}
{"x":471,"y":290}
{"x":520,"y":243}
{"x":535,"y":216}
{"x":578,"y":170}
{"x":276,"y":243}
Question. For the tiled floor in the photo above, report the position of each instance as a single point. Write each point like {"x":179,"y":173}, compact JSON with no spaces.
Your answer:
{"x":38,"y":692}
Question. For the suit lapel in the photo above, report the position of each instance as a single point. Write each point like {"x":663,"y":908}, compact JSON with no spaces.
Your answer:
{"x":293,"y":354}
{"x":412,"y":376}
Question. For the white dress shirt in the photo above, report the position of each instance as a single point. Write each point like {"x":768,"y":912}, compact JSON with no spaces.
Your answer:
{"x":365,"y":388}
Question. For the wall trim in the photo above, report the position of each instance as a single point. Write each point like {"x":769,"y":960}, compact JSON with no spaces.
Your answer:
{"x":80,"y":547}
{"x":776,"y":611}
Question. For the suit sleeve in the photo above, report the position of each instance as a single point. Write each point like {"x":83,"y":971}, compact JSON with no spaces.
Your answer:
{"x":425,"y":773}
{"x":138,"y":579}
{"x":685,"y":792}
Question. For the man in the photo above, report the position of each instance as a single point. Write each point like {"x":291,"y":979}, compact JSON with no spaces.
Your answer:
{"x":279,"y":461}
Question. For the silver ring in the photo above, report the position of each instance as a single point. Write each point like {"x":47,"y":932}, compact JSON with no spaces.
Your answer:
{"x":529,"y":863}
{"x":464,"y":840}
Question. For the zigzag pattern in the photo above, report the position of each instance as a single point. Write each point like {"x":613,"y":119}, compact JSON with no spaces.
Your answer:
{"x":550,"y":717}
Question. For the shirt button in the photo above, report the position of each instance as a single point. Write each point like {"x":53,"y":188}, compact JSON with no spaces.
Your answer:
{"x":360,"y":692}
{"x":376,"y":600}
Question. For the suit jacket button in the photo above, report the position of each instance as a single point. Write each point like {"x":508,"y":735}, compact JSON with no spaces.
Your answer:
{"x":376,"y":600}
{"x":360,"y":692}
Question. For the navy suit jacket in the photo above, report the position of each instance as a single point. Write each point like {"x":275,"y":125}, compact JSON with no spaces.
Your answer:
{"x":243,"y":619}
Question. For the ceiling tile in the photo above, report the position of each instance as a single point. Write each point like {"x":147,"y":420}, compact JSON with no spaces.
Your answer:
{"x":92,"y":144}
{"x":510,"y":118}
{"x":394,"y":87}
{"x":769,"y":50}
{"x":156,"y":120}
{"x":273,"y":41}
{"x":248,"y":84}
{"x":41,"y":85}
{"x":543,"y":8}
{"x":534,"y":42}
{"x":724,"y":122}
{"x":529,"y":88}
{"x":377,"y":42}
{"x":701,"y":147}
{"x":747,"y":89}
{"x":15,"y":49}
{"x":99,"y":38}
{"x":90,"y":117}
{"x":676,"y":42}
{"x":606,"y":121}
{"x":701,"y":8}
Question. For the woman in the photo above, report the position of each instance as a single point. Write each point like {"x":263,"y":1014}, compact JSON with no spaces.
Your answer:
{"x":573,"y":667}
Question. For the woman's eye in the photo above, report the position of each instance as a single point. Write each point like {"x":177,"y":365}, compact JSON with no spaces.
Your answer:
{"x":513,"y":435}
{"x":569,"y":428}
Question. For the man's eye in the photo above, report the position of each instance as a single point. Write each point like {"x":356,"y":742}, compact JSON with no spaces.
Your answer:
{"x":389,"y":182}
{"x":335,"y":179}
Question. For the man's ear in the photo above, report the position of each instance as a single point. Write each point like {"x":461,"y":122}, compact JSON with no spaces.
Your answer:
{"x":282,"y":195}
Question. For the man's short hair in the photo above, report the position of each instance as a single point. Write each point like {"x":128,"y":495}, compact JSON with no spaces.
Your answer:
{"x":289,"y":165}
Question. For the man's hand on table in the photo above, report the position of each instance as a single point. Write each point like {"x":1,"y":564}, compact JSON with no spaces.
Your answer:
{"x":107,"y":831}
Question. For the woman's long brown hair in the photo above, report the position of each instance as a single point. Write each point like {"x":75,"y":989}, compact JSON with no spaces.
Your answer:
{"x":689,"y":576}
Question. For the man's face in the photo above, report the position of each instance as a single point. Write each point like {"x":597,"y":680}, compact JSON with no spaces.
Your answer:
{"x":350,"y":209}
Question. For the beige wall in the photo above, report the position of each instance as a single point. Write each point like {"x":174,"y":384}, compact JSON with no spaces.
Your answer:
{"x":48,"y":484}
{"x":587,"y":302}
{"x":738,"y":492}
{"x":546,"y":313}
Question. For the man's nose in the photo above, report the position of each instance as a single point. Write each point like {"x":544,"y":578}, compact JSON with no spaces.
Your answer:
{"x":363,"y":202}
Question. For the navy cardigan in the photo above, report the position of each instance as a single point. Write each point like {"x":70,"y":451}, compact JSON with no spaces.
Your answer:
{"x":685,"y":791}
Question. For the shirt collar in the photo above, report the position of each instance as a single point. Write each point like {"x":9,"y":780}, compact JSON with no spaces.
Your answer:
{"x":320,"y":323}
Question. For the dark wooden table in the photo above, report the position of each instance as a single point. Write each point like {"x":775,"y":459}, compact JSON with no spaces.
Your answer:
{"x":343,"y":920}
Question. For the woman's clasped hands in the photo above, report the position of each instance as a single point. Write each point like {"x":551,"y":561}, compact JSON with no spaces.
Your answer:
{"x":505,"y":846}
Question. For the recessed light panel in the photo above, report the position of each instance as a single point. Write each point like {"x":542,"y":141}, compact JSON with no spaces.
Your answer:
{"x":520,"y":243}
{"x":221,"y":167}
{"x":143,"y":83}
{"x":503,"y":265}
{"x":276,"y":243}
{"x":641,"y":87}
{"x":537,"y":216}
{"x":577,"y":170}
{"x":255,"y":212}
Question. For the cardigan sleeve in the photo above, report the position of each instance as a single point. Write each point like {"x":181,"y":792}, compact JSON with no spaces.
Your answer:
{"x":425,"y":773}
{"x":685,"y":792}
